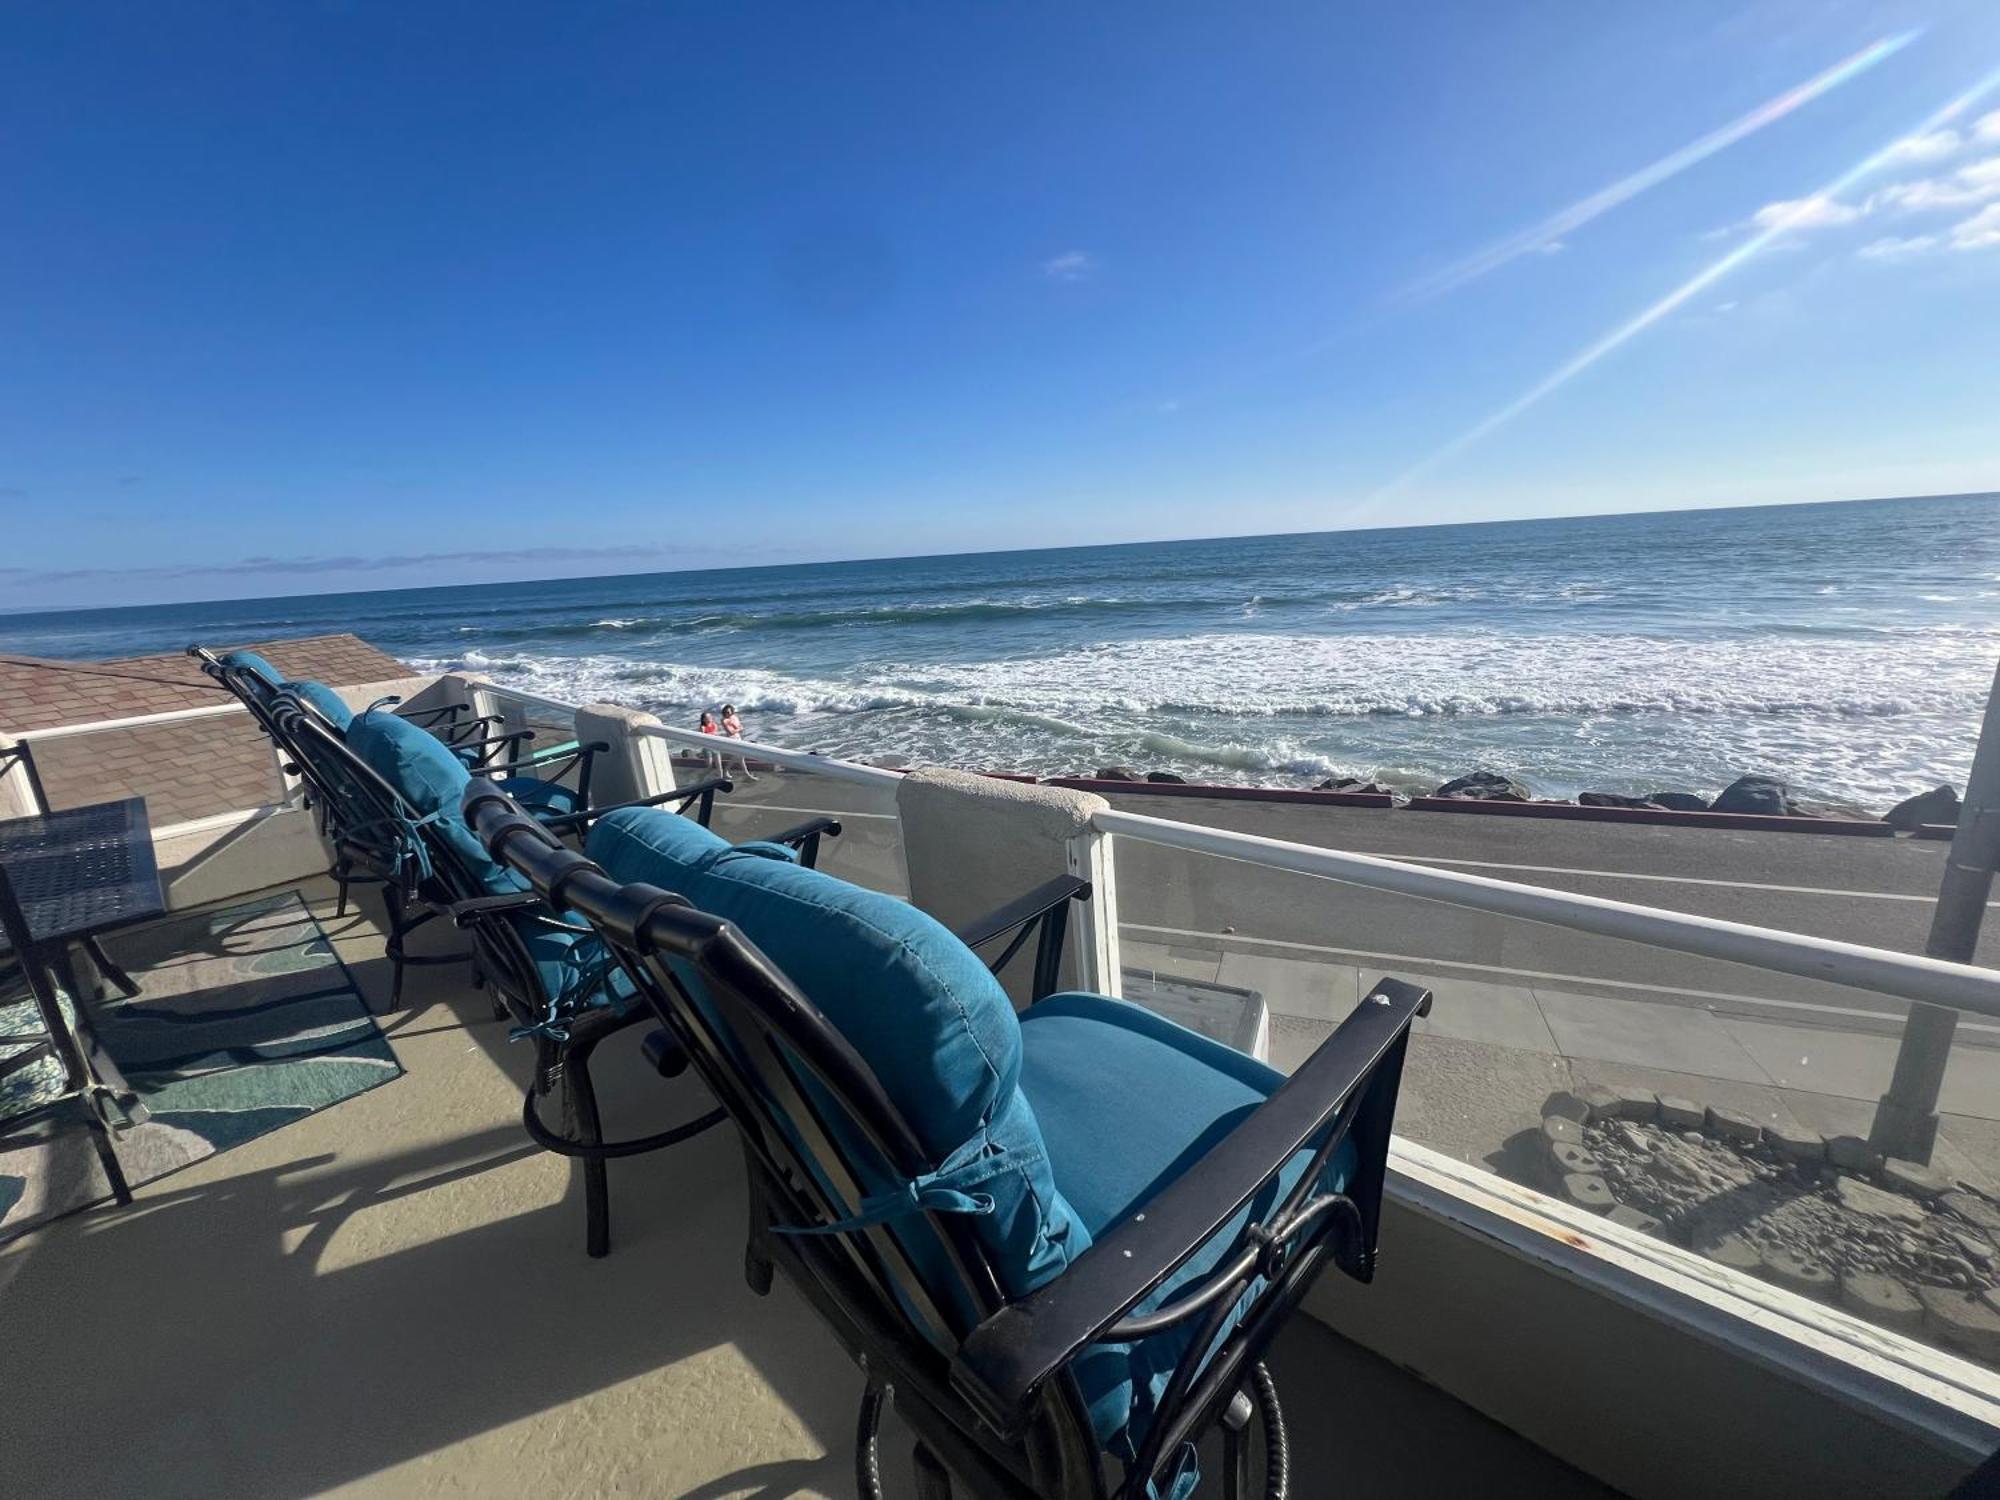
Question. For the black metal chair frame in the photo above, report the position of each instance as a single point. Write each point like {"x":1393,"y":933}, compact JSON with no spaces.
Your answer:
{"x":993,"y":1398}
{"x":445,"y":720}
{"x":422,"y":873}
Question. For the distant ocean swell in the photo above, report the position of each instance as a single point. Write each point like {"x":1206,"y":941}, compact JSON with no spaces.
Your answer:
{"x":1846,"y":648}
{"x":1244,"y":705}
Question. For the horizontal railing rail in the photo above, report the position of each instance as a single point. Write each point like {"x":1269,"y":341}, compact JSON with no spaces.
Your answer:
{"x":136,"y":721}
{"x":796,"y":760}
{"x":527,"y":699}
{"x":1964,"y":987}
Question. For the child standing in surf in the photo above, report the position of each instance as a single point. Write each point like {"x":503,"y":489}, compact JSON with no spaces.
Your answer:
{"x":732,"y":727}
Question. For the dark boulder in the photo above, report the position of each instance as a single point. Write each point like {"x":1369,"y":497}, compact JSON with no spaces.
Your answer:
{"x":1118,"y":773}
{"x":1938,"y":805}
{"x":1353,"y":784}
{"x":1167,"y":776}
{"x":1612,"y":799}
{"x":1486,"y":786}
{"x":1678,"y":801}
{"x":1765,"y":795}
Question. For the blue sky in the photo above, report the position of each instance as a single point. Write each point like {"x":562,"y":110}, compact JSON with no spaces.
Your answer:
{"x":304,"y":297}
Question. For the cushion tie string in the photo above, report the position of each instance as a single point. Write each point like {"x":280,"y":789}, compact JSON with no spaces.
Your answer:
{"x":944,"y":1191}
{"x":1181,"y":1479}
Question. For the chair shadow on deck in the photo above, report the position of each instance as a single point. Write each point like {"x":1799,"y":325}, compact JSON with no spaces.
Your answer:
{"x":273,"y":1333}
{"x":280,"y":1330}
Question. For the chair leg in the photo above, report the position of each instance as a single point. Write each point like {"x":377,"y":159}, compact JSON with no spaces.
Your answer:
{"x":867,"y":1451}
{"x":756,"y":1240}
{"x":107,"y":1155}
{"x":1277,"y":1441}
{"x":393,"y":947}
{"x":1235,"y":1461}
{"x":580,"y":1100}
{"x":933,"y":1478}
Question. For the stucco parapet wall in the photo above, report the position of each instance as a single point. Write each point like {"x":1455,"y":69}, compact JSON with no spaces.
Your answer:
{"x":628,"y":719}
{"x":1053,"y":811}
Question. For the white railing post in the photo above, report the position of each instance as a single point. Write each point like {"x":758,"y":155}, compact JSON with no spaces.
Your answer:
{"x":1906,"y":1117}
{"x":1093,"y":933}
{"x":17,"y":780}
{"x":640,"y":764}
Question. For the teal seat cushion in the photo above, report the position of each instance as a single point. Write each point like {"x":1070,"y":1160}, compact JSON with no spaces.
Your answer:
{"x":917,"y":1004}
{"x":577,"y":971}
{"x":433,"y":781}
{"x":329,"y":704}
{"x":1127,"y":1101}
{"x":250,"y":661}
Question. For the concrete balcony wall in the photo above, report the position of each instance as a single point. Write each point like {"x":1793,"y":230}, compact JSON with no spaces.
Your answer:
{"x":973,"y":843}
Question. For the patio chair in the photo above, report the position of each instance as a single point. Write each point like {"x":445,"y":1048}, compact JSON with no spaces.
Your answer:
{"x":1062,"y":1240}
{"x":399,"y":795}
{"x":253,"y":680}
{"x":428,"y":781}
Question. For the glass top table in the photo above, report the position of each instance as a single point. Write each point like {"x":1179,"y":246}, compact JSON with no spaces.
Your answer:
{"x":83,"y":870}
{"x":74,"y":874}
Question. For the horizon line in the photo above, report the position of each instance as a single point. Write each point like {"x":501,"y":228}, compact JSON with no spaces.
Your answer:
{"x":68,"y":609}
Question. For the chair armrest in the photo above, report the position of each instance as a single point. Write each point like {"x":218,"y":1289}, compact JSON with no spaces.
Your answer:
{"x":568,"y":755}
{"x":445,"y":711}
{"x":683,"y":794}
{"x":805,"y":838}
{"x":465,"y":913}
{"x":1023,"y":909}
{"x":456,"y":731}
{"x":1007,"y":1358}
{"x":1046,"y":908}
{"x":493,"y":748}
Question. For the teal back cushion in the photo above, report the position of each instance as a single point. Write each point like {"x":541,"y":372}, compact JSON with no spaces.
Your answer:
{"x":250,"y":661}
{"x":432,"y":780}
{"x":330,"y":705}
{"x":917,"y":1004}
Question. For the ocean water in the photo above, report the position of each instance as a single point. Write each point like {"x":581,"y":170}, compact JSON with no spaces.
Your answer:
{"x":1845,"y":647}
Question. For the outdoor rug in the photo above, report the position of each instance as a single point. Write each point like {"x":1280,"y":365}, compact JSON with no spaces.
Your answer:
{"x":246,"y":1020}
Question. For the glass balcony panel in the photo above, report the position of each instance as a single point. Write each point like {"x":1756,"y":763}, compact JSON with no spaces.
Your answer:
{"x":1715,"y":1106}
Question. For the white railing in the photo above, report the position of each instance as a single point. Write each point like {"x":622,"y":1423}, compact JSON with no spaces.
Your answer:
{"x":284,"y":782}
{"x":792,"y":760}
{"x":526,"y":699}
{"x":1961,"y":986}
{"x":137,"y":721}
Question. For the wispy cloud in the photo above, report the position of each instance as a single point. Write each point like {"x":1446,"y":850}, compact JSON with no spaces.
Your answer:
{"x":1977,"y":182}
{"x":1546,"y":236}
{"x":1963,"y":187}
{"x":1976,"y":232}
{"x":1805,"y":213}
{"x":1071,"y":265}
{"x":1935,"y":146}
{"x":1893,"y":247}
{"x":308,"y":566}
{"x":1980,"y":232}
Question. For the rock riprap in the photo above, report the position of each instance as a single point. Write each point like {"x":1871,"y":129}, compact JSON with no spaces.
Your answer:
{"x":1900,"y":1245}
{"x":1485,"y":786}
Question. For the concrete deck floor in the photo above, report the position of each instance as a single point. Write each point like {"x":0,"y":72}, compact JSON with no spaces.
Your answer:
{"x":391,"y":1298}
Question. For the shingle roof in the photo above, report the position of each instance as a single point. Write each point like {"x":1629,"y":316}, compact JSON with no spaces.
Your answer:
{"x":37,"y":693}
{"x":184,"y":770}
